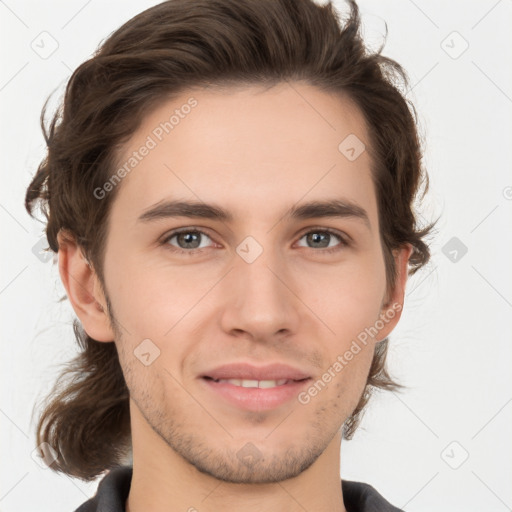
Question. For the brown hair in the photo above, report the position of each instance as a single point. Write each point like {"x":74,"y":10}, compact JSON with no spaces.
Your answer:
{"x":159,"y":53}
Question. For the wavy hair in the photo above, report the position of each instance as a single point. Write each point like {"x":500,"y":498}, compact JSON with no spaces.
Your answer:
{"x":154,"y":56}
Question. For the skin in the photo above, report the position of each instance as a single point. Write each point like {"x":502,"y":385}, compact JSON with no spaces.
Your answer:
{"x":256,"y":152}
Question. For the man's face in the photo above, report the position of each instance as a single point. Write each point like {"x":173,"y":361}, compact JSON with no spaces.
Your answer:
{"x":261,"y":288}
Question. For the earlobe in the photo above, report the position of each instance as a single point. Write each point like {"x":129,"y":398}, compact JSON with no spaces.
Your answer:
{"x":392,"y":309}
{"x":83,"y":289}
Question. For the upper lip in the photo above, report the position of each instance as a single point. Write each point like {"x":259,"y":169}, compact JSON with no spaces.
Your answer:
{"x":249,"y":372}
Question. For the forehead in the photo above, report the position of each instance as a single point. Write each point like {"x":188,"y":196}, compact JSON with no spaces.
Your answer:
{"x":249,"y":148}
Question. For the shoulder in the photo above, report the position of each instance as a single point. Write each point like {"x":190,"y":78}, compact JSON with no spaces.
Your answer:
{"x":362,"y":497}
{"x":112,"y":492}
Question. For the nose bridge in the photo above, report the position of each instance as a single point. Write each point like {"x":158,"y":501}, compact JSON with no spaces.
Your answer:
{"x":258,"y":270}
{"x":262,"y":303}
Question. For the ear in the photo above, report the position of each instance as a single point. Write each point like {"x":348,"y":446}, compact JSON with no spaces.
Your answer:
{"x":393,"y":303}
{"x":83,"y":289}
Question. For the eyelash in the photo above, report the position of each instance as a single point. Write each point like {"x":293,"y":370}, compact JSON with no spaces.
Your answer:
{"x":192,"y":252}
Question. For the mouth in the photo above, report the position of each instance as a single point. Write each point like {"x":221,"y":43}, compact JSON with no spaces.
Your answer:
{"x":254,"y":395}
{"x":261,"y":384}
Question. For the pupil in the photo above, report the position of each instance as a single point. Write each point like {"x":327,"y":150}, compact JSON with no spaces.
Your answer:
{"x":315,"y":237}
{"x":187,"y":238}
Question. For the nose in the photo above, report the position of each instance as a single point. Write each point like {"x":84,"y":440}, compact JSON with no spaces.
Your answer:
{"x":260,"y":300}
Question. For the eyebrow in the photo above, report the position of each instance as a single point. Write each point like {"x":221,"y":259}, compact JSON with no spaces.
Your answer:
{"x":336,"y":208}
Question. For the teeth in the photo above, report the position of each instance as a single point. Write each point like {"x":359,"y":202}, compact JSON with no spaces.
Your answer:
{"x":255,"y":383}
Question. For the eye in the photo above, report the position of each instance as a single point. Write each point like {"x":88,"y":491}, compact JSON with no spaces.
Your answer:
{"x":188,"y":240}
{"x":322,"y":237}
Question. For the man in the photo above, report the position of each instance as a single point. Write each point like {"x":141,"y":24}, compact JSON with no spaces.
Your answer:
{"x":229,"y":188}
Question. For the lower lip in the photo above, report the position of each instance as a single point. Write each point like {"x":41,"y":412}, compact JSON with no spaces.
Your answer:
{"x":256,"y":399}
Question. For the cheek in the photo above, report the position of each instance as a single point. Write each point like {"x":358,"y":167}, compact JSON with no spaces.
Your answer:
{"x":361,"y":300}
{"x":149,"y":300}
{"x":348,"y":299}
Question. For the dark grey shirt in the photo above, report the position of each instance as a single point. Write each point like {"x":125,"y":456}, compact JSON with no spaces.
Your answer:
{"x":113,"y":491}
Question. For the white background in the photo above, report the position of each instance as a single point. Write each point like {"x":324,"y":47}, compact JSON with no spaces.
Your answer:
{"x":453,"y":346}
